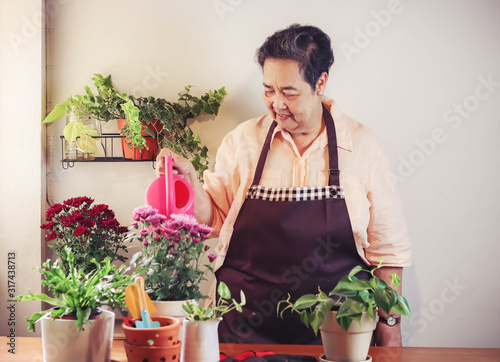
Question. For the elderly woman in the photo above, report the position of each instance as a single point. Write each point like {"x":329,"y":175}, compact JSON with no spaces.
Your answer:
{"x":298,"y":197}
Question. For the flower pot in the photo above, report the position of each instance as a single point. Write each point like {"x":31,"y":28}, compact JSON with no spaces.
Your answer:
{"x":147,"y":153}
{"x":165,"y":335}
{"x":153,"y":344}
{"x":350,"y":346}
{"x":201,"y":341}
{"x":62,"y":342}
{"x":172,"y":308}
{"x":152,"y":353}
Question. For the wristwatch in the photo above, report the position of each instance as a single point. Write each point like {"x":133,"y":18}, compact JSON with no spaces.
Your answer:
{"x":390,"y":320}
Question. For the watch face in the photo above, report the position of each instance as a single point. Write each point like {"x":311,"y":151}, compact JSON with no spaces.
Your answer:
{"x":391,"y":320}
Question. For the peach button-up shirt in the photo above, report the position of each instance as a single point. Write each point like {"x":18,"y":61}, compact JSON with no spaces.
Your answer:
{"x":373,"y":203}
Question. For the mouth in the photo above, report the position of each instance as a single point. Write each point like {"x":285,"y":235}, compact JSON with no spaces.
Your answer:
{"x":283,"y":117}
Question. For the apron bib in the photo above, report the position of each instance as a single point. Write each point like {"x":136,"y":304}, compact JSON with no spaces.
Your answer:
{"x":286,"y":240}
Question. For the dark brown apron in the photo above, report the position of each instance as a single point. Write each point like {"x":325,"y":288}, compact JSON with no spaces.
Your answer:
{"x":286,"y":240}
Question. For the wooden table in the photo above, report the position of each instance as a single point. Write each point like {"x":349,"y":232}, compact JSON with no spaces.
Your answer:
{"x":29,"y":349}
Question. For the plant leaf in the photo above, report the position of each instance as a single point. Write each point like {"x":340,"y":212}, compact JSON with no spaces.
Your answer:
{"x":223,"y":291}
{"x":386,"y":298}
{"x":316,"y":320}
{"x":58,"y":111}
{"x":355,"y":270}
{"x":73,"y":130}
{"x":86,"y":144}
{"x":305,"y":301}
{"x":402,"y":307}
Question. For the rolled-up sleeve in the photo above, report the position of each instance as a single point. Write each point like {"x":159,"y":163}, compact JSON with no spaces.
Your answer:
{"x":387,"y":230}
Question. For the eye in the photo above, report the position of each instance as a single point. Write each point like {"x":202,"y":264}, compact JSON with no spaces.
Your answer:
{"x":290,"y":96}
{"x":269,"y":93}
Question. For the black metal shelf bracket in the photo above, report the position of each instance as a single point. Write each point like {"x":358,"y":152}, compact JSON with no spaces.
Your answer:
{"x":107,"y":142}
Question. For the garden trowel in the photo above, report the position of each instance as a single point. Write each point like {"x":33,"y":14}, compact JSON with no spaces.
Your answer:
{"x":145,"y":321}
{"x":132,"y":301}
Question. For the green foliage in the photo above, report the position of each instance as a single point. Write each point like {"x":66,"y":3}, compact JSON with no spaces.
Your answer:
{"x":352,"y":296}
{"x":173,"y":116}
{"x":105,"y":103}
{"x":78,"y":293}
{"x":223,"y":305}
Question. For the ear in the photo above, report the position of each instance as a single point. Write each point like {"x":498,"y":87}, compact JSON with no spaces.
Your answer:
{"x":321,"y":83}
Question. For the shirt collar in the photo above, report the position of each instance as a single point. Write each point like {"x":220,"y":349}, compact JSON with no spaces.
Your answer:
{"x":344,"y":140}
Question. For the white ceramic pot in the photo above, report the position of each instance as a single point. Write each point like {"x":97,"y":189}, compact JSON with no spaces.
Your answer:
{"x":170,"y":308}
{"x":350,"y":346}
{"x":201,"y":342}
{"x":61,"y":342}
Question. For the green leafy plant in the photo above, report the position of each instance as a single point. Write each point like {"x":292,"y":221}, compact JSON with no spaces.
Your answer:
{"x":352,"y":297}
{"x":174,"y":116}
{"x":77,"y":293}
{"x":105,"y":103}
{"x":216,"y":310}
{"x":173,"y":253}
{"x":75,"y":130}
{"x":91,"y":231}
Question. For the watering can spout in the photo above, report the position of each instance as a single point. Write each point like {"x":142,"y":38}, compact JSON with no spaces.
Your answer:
{"x":170,"y":194}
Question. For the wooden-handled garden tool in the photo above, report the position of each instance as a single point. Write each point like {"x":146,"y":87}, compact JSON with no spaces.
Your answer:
{"x":145,"y":321}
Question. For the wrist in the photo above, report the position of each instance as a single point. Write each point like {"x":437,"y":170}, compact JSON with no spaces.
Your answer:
{"x":390,"y":320}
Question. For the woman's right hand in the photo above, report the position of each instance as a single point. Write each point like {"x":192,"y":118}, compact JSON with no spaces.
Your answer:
{"x":203,"y":208}
{"x":182,"y":166}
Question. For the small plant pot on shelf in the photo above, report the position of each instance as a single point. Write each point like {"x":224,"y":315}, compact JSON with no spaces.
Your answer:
{"x":153,"y":344}
{"x":150,"y":151}
{"x":61,"y":342}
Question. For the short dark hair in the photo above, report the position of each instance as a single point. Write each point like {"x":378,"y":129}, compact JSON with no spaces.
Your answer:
{"x":307,"y":45}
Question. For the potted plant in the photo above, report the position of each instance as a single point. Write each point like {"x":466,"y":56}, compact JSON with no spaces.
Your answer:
{"x":173,"y":255}
{"x":75,"y":328}
{"x":81,"y":131}
{"x":201,"y":341}
{"x":141,"y":118}
{"x":352,"y":300}
{"x":173,"y":120}
{"x":89,"y":230}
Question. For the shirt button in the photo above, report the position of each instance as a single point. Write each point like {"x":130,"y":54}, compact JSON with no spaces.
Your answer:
{"x":333,"y":192}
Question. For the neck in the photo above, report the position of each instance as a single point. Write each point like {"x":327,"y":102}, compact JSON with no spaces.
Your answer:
{"x":304,"y":140}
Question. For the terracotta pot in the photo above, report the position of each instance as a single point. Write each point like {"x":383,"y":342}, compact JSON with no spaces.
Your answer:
{"x":152,"y":353}
{"x":153,"y":344}
{"x":148,"y":153}
{"x":172,"y":308}
{"x":61,"y":341}
{"x":350,"y":346}
{"x":163,"y":336}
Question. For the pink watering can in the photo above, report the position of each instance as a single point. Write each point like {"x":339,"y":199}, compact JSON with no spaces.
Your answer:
{"x":170,"y":194}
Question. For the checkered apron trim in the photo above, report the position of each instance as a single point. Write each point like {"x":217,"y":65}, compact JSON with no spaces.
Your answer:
{"x":258,"y":192}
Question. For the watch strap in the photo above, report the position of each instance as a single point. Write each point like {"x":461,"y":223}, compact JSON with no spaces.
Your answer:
{"x":390,"y":320}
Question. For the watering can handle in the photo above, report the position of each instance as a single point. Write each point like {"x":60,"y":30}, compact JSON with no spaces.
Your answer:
{"x":169,"y":186}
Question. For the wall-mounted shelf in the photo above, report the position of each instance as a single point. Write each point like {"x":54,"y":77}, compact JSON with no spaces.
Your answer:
{"x":110,"y":144}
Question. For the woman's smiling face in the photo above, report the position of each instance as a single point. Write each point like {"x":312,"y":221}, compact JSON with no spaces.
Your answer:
{"x":290,"y":100}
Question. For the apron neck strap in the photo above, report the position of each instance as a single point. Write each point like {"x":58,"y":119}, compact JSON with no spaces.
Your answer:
{"x":332,"y":150}
{"x":333,"y":155}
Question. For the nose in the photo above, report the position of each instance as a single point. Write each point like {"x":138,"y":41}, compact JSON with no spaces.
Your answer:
{"x":279,"y":102}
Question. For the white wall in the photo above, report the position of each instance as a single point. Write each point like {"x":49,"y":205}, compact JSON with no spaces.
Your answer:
{"x":413,"y":71}
{"x":22,"y":180}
